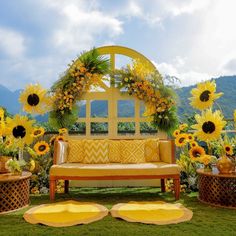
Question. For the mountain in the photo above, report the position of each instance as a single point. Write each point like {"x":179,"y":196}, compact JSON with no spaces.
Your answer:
{"x":9,"y":100}
{"x":225,"y":84}
{"x":227,"y":103}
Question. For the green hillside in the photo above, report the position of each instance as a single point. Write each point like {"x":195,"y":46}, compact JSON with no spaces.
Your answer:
{"x":225,"y":84}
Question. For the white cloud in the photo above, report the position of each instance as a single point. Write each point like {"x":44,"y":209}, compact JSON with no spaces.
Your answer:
{"x":12,"y":43}
{"x":80,"y":26}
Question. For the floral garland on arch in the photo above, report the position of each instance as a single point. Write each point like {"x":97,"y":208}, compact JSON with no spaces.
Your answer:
{"x":87,"y":70}
{"x":137,"y":79}
{"x":147,"y":85}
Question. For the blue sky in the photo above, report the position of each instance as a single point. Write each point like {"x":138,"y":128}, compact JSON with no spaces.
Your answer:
{"x":191,"y":39}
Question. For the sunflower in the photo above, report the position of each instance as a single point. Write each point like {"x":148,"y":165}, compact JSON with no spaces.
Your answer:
{"x":176,"y":132}
{"x":228,"y":149}
{"x":60,"y":138}
{"x":41,"y":148}
{"x":209,"y":125}
{"x":181,"y":140}
{"x":193,"y":144}
{"x":63,"y":131}
{"x":35,"y":99}
{"x":19,"y":130}
{"x":52,"y":140}
{"x":205,"y":159}
{"x":190,"y":138}
{"x":183,"y":126}
{"x":8,"y":143}
{"x":204,"y":95}
{"x":37,"y":132}
{"x":196,"y":152}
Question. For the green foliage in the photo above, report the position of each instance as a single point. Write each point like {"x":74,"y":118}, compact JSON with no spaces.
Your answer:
{"x":95,"y":62}
{"x":58,"y":120}
{"x":166,"y":121}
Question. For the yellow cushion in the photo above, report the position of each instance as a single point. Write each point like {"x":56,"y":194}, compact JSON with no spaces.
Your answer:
{"x":152,"y":150}
{"x":75,"y":151}
{"x":96,"y":151}
{"x":132,"y":151}
{"x":114,"y":169}
{"x":114,"y":151}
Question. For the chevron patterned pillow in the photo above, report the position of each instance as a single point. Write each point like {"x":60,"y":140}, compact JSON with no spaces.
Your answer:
{"x":96,"y":151}
{"x":75,"y":150}
{"x":132,"y":151}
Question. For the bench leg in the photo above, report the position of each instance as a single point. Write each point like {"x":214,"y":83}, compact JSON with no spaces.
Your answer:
{"x":66,"y":186}
{"x":177,"y":188}
{"x":52,"y":189}
{"x":163,"y":186}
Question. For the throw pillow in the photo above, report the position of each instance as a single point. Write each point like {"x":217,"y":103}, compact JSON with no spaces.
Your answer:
{"x":114,"y":151}
{"x":152,"y":150}
{"x":132,"y":151}
{"x":75,"y":150}
{"x":96,"y":151}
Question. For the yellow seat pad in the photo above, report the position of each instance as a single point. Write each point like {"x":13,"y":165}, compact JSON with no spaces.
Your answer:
{"x":114,"y":169}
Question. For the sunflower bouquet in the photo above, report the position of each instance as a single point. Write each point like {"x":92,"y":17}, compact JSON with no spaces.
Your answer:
{"x":207,"y":140}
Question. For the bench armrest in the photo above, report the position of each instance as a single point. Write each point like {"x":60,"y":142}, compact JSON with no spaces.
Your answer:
{"x":167,"y":150}
{"x":60,"y":152}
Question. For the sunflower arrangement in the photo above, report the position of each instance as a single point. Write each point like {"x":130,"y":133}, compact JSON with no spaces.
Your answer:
{"x":147,"y":85}
{"x":207,"y":141}
{"x":35,"y":99}
{"x":87,"y":70}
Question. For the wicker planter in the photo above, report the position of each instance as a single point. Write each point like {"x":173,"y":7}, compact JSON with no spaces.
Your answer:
{"x":3,"y":160}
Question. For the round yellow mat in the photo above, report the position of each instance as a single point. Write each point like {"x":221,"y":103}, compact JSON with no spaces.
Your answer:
{"x":66,"y":213}
{"x":159,"y":213}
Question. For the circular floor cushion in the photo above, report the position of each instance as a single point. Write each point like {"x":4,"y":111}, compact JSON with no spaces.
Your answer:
{"x":66,"y":213}
{"x":159,"y":213}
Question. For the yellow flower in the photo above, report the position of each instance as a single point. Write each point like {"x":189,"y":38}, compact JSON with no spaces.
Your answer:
{"x":209,"y":125}
{"x":37,"y":132}
{"x":32,"y":165}
{"x":205,"y":159}
{"x":180,"y":140}
{"x":183,"y":126}
{"x":35,"y":100}
{"x":41,"y":148}
{"x":63,"y":131}
{"x":19,"y":130}
{"x":52,"y":139}
{"x":193,"y":144}
{"x":204,"y":95}
{"x":196,"y":152}
{"x":228,"y":149}
{"x":60,"y":138}
{"x":150,"y":109}
{"x":8,"y":143}
{"x":190,"y":138}
{"x":176,"y":132}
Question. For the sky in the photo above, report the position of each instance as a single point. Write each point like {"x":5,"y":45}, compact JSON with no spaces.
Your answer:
{"x":193,"y":40}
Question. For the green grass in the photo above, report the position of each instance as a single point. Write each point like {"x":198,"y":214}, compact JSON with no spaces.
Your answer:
{"x":206,"y":220}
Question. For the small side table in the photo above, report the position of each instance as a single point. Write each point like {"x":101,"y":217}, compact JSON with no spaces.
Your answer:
{"x":217,"y":189}
{"x":14,"y":191}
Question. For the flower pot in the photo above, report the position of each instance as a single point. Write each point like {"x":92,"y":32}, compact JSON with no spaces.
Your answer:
{"x":225,"y":165}
{"x":3,"y":160}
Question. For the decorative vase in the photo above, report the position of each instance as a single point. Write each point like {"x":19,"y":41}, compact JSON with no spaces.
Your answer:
{"x":208,"y":168}
{"x":3,"y":161}
{"x":224,"y":165}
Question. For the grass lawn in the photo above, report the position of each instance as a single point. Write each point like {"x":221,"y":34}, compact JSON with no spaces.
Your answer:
{"x":206,"y":220}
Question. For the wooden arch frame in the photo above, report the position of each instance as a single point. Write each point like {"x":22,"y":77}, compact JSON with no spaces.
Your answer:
{"x":113,"y":94}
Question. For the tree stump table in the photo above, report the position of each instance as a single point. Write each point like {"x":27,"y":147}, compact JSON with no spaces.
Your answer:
{"x":14,"y":191}
{"x":217,"y":189}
